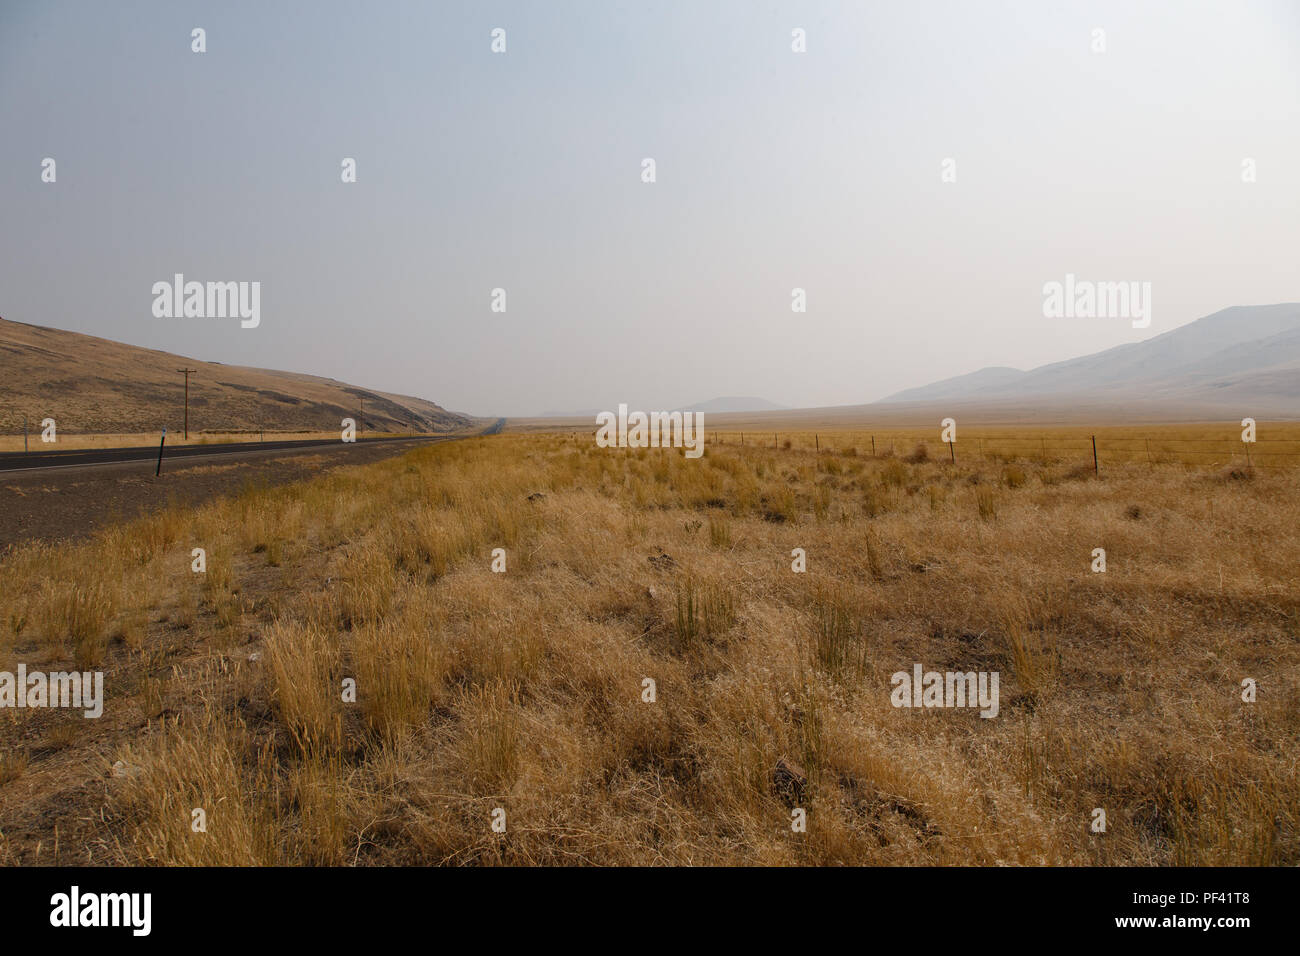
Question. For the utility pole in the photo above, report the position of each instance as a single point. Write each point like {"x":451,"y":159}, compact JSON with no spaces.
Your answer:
{"x":187,"y":372}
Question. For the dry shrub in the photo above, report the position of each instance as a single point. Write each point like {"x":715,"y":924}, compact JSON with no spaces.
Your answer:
{"x":838,"y":646}
{"x":894,"y":474}
{"x":400,"y":676}
{"x":1032,"y":654}
{"x":365,"y":594}
{"x":822,"y":498}
{"x":719,"y":532}
{"x":327,"y":822}
{"x":306,"y":675}
{"x":79,"y":613}
{"x":782,"y":507}
{"x":491,"y":736}
{"x":209,"y":764}
{"x":919,"y":454}
{"x":1236,"y":473}
{"x":13,"y":764}
{"x":704,"y":614}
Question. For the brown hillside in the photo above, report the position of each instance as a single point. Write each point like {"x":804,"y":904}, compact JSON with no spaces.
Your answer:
{"x":89,"y":384}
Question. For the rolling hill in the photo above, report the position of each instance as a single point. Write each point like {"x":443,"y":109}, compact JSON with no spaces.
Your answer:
{"x":733,"y":403}
{"x":88,"y":384}
{"x":1245,"y":358}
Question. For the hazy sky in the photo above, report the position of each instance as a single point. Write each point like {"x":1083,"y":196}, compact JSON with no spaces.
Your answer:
{"x":522,"y":171}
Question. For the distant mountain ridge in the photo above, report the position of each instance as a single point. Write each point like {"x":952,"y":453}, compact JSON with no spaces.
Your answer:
{"x":733,"y":403}
{"x":88,"y":384}
{"x":1243,"y":356}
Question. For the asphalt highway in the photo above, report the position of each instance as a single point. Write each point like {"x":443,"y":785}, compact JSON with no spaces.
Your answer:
{"x":70,"y":457}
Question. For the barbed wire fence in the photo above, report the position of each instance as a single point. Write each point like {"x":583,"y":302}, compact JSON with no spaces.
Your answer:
{"x":1095,"y":450}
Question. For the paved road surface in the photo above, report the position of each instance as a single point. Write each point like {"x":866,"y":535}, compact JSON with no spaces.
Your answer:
{"x":21,"y":461}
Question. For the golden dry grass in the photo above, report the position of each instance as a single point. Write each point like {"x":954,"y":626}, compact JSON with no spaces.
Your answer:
{"x":524,"y":690}
{"x":1205,"y":444}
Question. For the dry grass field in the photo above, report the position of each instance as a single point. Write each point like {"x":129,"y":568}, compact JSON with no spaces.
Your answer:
{"x":1205,"y":444}
{"x":523,"y":690}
